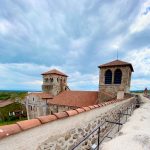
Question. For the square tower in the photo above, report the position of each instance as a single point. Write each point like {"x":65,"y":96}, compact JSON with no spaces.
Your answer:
{"x":54,"y":82}
{"x":115,"y":76}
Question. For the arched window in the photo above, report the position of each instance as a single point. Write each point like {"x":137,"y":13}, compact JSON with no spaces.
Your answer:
{"x":108,"y":77}
{"x":117,"y":76}
{"x":51,"y":79}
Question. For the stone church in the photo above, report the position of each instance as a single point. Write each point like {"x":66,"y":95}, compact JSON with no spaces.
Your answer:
{"x":114,"y":83}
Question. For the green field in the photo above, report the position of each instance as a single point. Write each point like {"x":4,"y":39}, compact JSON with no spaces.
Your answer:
{"x":2,"y":123}
{"x":5,"y":118}
{"x":4,"y":95}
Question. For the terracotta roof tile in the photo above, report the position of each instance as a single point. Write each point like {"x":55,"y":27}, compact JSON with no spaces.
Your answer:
{"x":80,"y":110}
{"x":45,"y":119}
{"x":96,"y":106}
{"x":9,"y":130}
{"x":86,"y":108}
{"x":54,"y":71}
{"x":27,"y":124}
{"x":72,"y":112}
{"x":42,"y":95}
{"x":76,"y":98}
{"x":91,"y":107}
{"x":116,"y":63}
{"x":61,"y":115}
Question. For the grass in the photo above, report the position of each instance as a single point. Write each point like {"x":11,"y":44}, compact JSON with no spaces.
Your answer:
{"x":4,"y":111}
{"x":12,"y":95}
{"x":2,"y":123}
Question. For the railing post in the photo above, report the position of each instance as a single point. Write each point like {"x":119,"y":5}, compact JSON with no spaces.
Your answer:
{"x":119,"y":121}
{"x":98,"y":138}
{"x":126,"y":115}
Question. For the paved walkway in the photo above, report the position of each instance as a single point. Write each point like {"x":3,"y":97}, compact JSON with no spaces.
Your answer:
{"x":135,"y":134}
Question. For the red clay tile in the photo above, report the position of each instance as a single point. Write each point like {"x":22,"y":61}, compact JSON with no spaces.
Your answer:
{"x":100,"y":105}
{"x":86,"y":108}
{"x":27,"y":124}
{"x":80,"y":110}
{"x":76,"y":98}
{"x":117,"y":63}
{"x":96,"y":106}
{"x":9,"y":130}
{"x":91,"y":107}
{"x":54,"y":71}
{"x":48,"y":118}
{"x":61,"y":115}
{"x":106,"y":103}
{"x":72,"y":112}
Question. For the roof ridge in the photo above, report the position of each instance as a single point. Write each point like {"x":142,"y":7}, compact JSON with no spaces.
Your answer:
{"x":116,"y":63}
{"x":54,"y":71}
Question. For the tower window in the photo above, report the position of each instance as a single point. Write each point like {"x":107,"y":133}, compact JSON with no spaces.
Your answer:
{"x":118,"y":76}
{"x":46,"y":79}
{"x":108,"y":77}
{"x":51,"y":79}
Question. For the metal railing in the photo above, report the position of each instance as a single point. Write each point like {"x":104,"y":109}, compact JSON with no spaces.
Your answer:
{"x":100,"y":135}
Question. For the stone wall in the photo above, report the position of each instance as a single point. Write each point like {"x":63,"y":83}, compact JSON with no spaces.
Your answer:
{"x":104,"y":97}
{"x":35,"y":106}
{"x":63,"y":133}
{"x":68,"y":139}
{"x":54,"y":84}
{"x":59,"y":108}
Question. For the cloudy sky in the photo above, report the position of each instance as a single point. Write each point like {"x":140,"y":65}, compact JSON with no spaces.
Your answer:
{"x":74,"y":36}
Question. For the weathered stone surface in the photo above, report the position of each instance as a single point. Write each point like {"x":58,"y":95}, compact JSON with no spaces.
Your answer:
{"x":71,"y":137}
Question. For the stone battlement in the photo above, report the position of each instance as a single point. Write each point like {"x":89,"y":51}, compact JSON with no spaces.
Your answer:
{"x":60,"y":130}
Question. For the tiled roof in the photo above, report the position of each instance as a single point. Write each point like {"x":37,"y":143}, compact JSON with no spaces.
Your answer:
{"x":42,"y":95}
{"x":4,"y":103}
{"x":116,"y":63}
{"x":76,"y":98}
{"x":21,"y":126}
{"x":54,"y":71}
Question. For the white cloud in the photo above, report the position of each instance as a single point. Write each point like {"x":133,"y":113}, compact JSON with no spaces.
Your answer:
{"x":142,"y":21}
{"x":80,"y":81}
{"x":140,"y":84}
{"x":22,"y":76}
{"x":5,"y":27}
{"x":140,"y":60}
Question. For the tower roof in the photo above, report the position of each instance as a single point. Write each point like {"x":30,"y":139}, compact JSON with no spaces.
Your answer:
{"x":54,"y":71}
{"x":117,"y":63}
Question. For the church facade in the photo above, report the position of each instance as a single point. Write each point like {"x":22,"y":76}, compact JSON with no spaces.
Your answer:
{"x":56,"y":96}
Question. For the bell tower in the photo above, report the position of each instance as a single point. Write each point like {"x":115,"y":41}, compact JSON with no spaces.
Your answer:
{"x":54,"y":82}
{"x":115,"y":76}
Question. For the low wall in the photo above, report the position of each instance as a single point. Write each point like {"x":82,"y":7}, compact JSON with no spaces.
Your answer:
{"x":62,"y":134}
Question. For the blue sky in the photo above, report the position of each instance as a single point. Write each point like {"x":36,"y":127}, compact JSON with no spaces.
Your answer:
{"x":73,"y":36}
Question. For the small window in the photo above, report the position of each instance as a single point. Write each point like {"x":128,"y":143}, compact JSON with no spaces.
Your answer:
{"x":108,"y":77}
{"x":57,"y":79}
{"x":118,"y":76}
{"x":51,"y":79}
{"x":46,"y":79}
{"x":33,"y":98}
